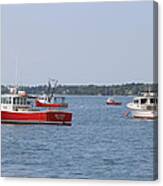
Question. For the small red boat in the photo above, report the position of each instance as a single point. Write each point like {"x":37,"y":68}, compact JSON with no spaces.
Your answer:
{"x":49,"y":99}
{"x":113,"y":102}
{"x":17,"y":109}
{"x":43,"y":102}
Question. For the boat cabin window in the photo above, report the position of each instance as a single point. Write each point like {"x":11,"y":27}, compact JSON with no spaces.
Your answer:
{"x":28,"y":102}
{"x":153,"y":101}
{"x":6,"y":100}
{"x":143,"y":101}
{"x":14,"y":101}
{"x":24,"y":101}
{"x":2,"y":100}
{"x":136,"y":101}
{"x":19,"y":101}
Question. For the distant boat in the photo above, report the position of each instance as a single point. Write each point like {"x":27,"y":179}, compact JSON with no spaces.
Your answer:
{"x":56,"y":102}
{"x":144,"y":106}
{"x":16,"y":108}
{"x":50,"y":99}
{"x":113,"y":102}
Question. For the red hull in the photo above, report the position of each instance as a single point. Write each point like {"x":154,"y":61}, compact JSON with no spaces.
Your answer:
{"x":114,"y":103}
{"x":42,"y":117}
{"x":54,"y":105}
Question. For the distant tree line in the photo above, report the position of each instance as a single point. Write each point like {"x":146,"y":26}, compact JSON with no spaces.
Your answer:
{"x":124,"y":89}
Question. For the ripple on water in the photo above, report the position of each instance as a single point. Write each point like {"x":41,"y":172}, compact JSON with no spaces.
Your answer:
{"x":100,"y":144}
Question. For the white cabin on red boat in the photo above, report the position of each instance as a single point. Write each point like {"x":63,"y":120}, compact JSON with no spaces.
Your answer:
{"x":15,"y":102}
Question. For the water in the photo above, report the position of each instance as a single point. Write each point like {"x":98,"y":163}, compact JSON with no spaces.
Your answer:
{"x":100,"y":144}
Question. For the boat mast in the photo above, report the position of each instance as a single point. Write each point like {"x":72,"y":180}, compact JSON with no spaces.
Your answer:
{"x":16,"y":76}
{"x":51,"y":89}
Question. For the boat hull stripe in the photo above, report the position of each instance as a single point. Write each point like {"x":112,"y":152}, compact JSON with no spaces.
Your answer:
{"x":35,"y":122}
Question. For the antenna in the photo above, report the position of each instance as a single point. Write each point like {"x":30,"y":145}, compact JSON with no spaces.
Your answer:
{"x":16,"y":73}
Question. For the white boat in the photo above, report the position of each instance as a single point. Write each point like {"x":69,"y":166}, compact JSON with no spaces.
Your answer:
{"x":144,"y":106}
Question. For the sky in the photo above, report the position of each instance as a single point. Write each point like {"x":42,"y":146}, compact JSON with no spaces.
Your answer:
{"x":77,"y":43}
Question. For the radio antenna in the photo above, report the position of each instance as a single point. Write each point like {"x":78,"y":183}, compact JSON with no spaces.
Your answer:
{"x":16,"y":80}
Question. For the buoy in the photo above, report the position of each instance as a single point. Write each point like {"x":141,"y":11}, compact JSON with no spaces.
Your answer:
{"x":126,"y":114}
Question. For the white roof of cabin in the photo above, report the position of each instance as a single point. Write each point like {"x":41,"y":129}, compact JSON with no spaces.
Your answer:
{"x":13,"y":95}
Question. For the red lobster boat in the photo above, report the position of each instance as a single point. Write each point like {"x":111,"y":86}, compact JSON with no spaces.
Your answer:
{"x":16,"y":108}
{"x":49,"y":100}
{"x":43,"y":102}
{"x":113,"y":102}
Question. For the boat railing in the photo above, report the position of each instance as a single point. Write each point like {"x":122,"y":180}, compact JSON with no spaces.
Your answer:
{"x":147,"y":93}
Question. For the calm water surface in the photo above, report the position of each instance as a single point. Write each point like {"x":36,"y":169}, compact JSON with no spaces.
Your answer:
{"x":100,"y":144}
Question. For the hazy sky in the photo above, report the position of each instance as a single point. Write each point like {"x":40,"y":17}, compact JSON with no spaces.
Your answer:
{"x":82,"y":43}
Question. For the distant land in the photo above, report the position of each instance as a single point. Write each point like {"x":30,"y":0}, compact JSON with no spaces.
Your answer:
{"x":124,"y":89}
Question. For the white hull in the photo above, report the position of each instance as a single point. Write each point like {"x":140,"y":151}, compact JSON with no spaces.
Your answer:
{"x":141,"y":111}
{"x":144,"y":114}
{"x":144,"y":106}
